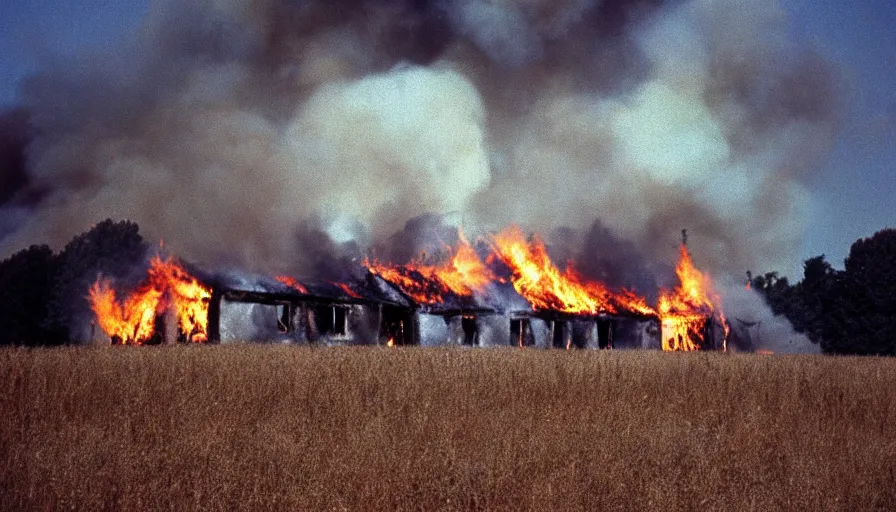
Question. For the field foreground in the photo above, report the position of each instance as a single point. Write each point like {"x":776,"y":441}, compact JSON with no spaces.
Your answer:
{"x":261,"y":427}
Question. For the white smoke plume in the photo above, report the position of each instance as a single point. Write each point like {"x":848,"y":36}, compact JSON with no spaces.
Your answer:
{"x":229,"y":129}
{"x":755,"y":328}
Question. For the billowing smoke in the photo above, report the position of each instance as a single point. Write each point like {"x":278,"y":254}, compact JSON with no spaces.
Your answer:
{"x":269,"y":134}
{"x":755,"y":328}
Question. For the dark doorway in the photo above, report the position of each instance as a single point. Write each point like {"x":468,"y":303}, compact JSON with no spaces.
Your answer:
{"x":560,"y":334}
{"x":471,"y":332}
{"x":582,"y":332}
{"x":396,"y":327}
{"x":604,"y":333}
{"x":521,"y":332}
{"x":331,"y":320}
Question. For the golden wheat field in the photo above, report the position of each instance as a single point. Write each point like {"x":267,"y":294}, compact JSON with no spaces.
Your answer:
{"x":278,"y":427}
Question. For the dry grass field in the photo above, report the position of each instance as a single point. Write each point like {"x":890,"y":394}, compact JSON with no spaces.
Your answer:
{"x":264,"y":427}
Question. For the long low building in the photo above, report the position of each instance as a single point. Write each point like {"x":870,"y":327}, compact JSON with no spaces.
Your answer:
{"x":372,"y":311}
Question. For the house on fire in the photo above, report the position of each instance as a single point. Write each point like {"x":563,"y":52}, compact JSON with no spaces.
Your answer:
{"x":286,"y":311}
{"x":411,"y":304}
{"x":374,"y":311}
{"x":502,"y":317}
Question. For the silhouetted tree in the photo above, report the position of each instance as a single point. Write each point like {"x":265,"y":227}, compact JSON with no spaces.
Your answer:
{"x":812,"y":299}
{"x":777,"y":291}
{"x":26,"y":283}
{"x":113,"y":249}
{"x":852,"y":311}
{"x":861,"y":312}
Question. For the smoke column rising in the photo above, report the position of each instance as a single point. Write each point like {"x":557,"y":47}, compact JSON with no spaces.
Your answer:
{"x":229,"y":129}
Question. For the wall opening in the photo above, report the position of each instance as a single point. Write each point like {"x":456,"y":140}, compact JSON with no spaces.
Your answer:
{"x":331,"y":320}
{"x":471,"y":332}
{"x":395,"y":328}
{"x":340,"y":314}
{"x":284,"y":317}
{"x":582,"y":331}
{"x":521,"y":332}
{"x":604,"y":333}
{"x":560,"y":334}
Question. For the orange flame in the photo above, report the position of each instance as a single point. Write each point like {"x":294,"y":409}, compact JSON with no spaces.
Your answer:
{"x":292,"y":283}
{"x":686,"y":309}
{"x":535,"y":277}
{"x":167,"y":287}
{"x":351,"y":293}
{"x":134,"y":320}
{"x":464,"y":274}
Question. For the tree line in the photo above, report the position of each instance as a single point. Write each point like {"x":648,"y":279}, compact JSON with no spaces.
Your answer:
{"x":849,"y":311}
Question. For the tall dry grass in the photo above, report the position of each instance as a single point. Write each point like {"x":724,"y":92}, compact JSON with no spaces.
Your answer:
{"x":262,"y":427}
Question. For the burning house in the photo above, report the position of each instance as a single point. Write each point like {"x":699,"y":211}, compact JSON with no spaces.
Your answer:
{"x":690,"y":319}
{"x":169,"y":305}
{"x":287,"y":311}
{"x":448,"y":307}
{"x":514,"y":296}
{"x":517,"y":297}
{"x":306,"y":116}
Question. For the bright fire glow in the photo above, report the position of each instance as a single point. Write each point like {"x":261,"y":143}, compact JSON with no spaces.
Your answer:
{"x":345,"y":288}
{"x":168,"y":287}
{"x":464,"y":274}
{"x":292,"y":283}
{"x":536,"y":278}
{"x":687,"y":308}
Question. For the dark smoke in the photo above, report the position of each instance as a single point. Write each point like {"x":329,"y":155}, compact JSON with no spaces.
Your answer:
{"x":279,"y":135}
{"x":13,"y":144}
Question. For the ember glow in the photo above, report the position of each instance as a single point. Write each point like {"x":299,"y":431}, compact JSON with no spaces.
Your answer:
{"x":292,"y":283}
{"x":464,"y":274}
{"x":168,"y":287}
{"x":686,"y":309}
{"x":348,"y":291}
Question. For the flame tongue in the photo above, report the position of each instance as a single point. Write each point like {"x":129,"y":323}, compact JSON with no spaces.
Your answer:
{"x":168,"y":286}
{"x":131,"y":321}
{"x":464,"y":274}
{"x":292,"y":283}
{"x":537,"y":279}
{"x":533,"y":275}
{"x":189,"y":299}
{"x":686,"y":309}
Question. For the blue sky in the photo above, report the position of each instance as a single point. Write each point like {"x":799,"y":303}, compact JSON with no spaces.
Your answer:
{"x":32,"y":29}
{"x":853,"y":190}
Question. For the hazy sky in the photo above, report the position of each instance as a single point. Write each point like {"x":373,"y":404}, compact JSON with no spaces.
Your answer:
{"x":853,"y":192}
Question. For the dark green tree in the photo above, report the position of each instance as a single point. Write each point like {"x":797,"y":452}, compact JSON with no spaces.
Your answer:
{"x":861,"y":309}
{"x":26,"y":284}
{"x":812,"y":299}
{"x":777,"y":291}
{"x":805,"y":304}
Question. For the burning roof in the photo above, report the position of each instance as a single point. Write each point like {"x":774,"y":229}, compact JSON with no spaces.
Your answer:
{"x":168,"y":286}
{"x":506,"y":272}
{"x":685,"y":309}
